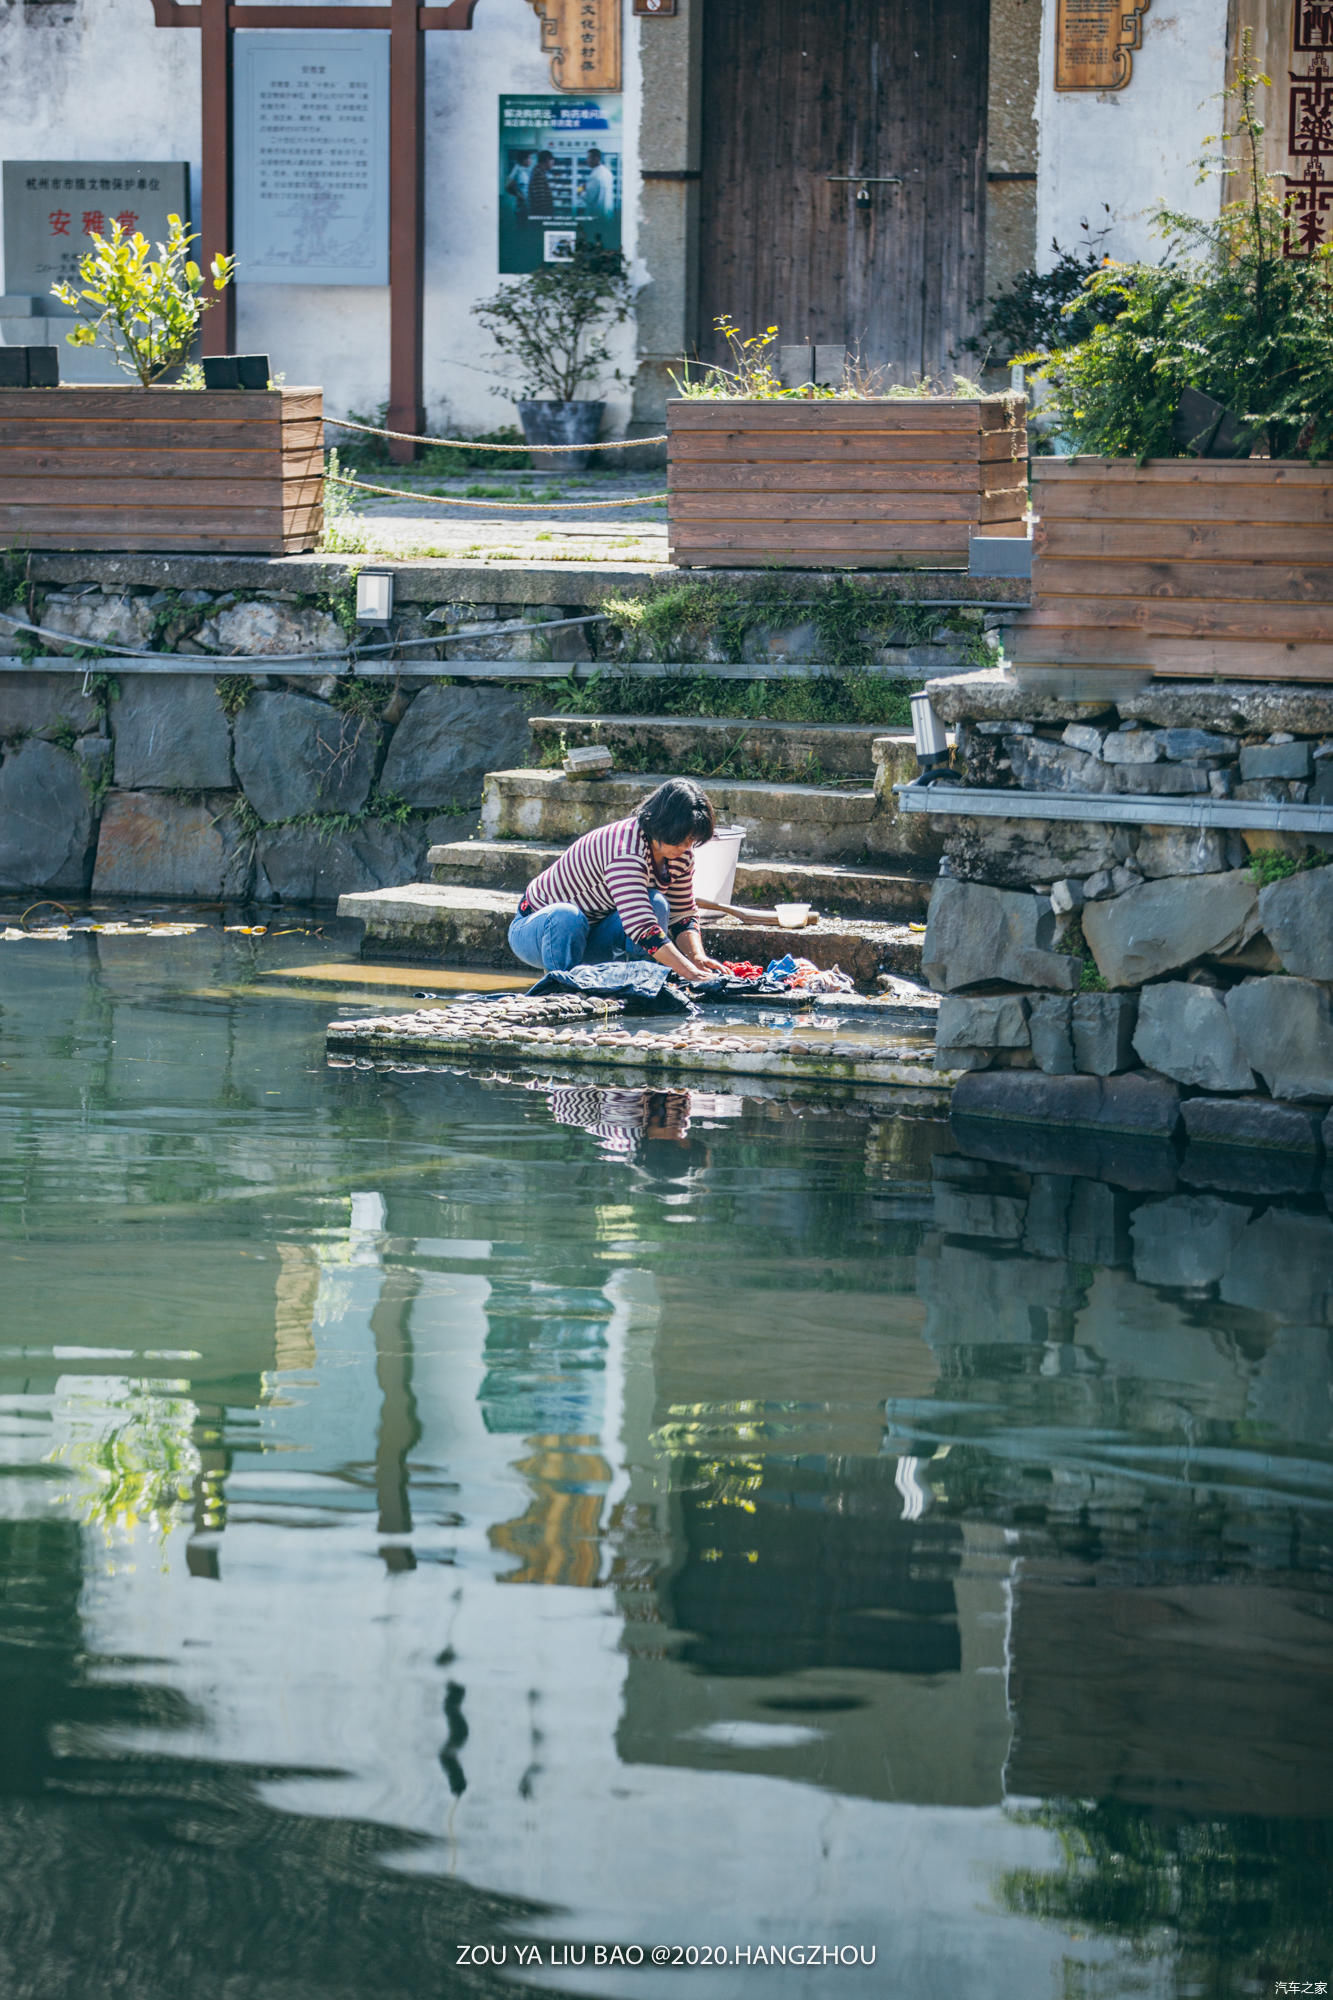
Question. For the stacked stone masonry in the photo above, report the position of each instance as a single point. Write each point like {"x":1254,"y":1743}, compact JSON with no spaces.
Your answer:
{"x":1199,"y":955}
{"x":285,"y":786}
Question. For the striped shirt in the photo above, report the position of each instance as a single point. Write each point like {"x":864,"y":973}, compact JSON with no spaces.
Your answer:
{"x":611,"y":868}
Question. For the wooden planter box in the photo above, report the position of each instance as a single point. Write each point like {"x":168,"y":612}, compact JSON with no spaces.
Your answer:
{"x":886,"y":483}
{"x":1181,"y":566}
{"x":226,"y":470}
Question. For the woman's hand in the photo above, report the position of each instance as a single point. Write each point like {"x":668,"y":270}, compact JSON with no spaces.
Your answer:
{"x":691,"y":946}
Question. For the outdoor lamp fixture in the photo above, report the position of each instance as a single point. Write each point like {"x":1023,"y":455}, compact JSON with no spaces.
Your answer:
{"x":932,"y":745}
{"x":374,"y":596}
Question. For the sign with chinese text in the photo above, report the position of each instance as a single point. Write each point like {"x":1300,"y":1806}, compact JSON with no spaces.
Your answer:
{"x":1095,"y":42}
{"x":53,"y":209}
{"x":312,"y":156}
{"x":560,"y":174}
{"x":582,"y":38}
{"x":1309,"y":178}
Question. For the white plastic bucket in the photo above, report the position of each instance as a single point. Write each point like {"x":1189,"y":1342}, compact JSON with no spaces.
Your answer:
{"x":715,"y":864}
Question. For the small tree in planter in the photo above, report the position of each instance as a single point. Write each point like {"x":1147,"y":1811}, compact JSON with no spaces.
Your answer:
{"x":1231,"y":314}
{"x":552,"y":329}
{"x":153,"y":467}
{"x":1173,"y":549}
{"x":145,"y":309}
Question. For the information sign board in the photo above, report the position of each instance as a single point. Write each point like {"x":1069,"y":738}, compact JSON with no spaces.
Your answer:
{"x":311,"y":171}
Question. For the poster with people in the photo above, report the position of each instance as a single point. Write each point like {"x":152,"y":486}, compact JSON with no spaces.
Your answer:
{"x":560,"y":175}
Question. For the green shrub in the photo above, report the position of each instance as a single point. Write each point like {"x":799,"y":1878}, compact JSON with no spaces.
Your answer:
{"x":1228,"y":313}
{"x":145,"y":309}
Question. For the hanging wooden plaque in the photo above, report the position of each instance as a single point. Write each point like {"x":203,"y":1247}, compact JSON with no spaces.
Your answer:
{"x":582,"y":38}
{"x":1095,"y":42}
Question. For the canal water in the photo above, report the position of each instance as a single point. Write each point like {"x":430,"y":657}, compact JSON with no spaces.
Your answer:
{"x":447,"y":1514}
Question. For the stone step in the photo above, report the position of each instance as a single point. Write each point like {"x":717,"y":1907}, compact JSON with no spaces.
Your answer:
{"x":708,"y":747}
{"x":834,"y":891}
{"x":782,"y":822}
{"x":470,"y":926}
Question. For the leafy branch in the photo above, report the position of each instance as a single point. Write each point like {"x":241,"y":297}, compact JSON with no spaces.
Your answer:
{"x":146,"y":309}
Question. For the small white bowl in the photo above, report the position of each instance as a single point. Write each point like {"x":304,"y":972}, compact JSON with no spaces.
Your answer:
{"x":792,"y":916}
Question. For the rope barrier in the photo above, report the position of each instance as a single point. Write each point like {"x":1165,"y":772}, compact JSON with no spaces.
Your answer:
{"x":498,"y":506}
{"x":475,"y":444}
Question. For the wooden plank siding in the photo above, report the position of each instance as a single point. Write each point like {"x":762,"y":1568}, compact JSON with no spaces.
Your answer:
{"x":239,"y":471}
{"x":884,"y":483}
{"x":1220,"y":568}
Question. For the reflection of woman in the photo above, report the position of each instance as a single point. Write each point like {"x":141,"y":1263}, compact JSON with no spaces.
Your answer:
{"x":623,"y":891}
{"x":541,"y":195}
{"x":623,"y":1119}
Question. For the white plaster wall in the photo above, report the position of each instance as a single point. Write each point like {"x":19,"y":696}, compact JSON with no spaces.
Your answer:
{"x":100,"y":81}
{"x":1126,"y":150}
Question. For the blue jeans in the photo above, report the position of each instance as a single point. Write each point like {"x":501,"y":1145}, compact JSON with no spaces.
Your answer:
{"x":560,"y":936}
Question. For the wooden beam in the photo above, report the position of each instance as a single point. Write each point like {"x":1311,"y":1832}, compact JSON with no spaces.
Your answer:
{"x":406,"y":148}
{"x":218,"y":333}
{"x":189,"y":14}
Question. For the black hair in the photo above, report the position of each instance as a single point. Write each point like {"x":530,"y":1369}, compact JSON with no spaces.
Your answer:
{"x":677,"y":810}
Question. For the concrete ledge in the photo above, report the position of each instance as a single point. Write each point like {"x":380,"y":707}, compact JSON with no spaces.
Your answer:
{"x":470,"y":926}
{"x":839,"y":749}
{"x":433,"y":579}
{"x":803,"y":822}
{"x":859,"y":892}
{"x":1252,"y":815}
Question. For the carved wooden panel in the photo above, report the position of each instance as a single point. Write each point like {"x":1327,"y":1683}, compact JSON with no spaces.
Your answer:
{"x":582,"y":38}
{"x":1095,"y":42}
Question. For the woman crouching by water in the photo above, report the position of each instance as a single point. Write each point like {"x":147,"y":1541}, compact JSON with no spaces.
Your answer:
{"x":623,"y":891}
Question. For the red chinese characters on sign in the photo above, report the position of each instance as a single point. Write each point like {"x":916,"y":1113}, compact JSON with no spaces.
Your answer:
{"x":59,"y":221}
{"x":94,"y":222}
{"x":128,"y":221}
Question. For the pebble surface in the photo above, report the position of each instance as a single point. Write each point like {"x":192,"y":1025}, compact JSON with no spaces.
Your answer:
{"x":582,"y":1030}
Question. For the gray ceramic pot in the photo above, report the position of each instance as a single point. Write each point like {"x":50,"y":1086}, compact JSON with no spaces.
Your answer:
{"x":561,"y":423}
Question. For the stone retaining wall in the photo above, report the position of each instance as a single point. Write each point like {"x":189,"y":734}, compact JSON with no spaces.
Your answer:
{"x":1200,"y":956}
{"x":263,"y":781}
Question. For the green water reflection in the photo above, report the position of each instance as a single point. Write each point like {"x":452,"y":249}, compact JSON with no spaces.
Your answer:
{"x":439,"y":1508}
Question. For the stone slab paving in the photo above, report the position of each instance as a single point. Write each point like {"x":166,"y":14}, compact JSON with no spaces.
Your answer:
{"x":591,"y":530}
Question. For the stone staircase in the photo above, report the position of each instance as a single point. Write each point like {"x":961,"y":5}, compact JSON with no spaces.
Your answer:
{"x":821,"y":828}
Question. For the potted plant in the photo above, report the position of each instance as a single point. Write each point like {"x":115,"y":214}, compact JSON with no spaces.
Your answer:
{"x":553,"y":329}
{"x":152,"y":467}
{"x":1191,"y":532}
{"x":851,"y":478}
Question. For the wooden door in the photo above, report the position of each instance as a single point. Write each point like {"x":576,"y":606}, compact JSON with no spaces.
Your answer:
{"x":794,"y":91}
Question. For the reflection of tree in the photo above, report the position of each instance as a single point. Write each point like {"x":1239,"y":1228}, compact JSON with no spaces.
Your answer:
{"x":1237,"y":1900}
{"x":136,"y":1456}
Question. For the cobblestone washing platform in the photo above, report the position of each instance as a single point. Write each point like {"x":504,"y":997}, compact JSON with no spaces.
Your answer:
{"x":598,"y":1034}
